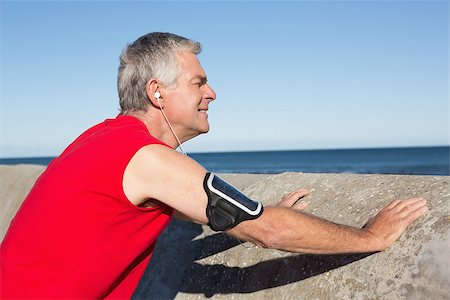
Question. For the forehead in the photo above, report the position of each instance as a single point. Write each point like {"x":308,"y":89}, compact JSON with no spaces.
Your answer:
{"x":190,"y":65}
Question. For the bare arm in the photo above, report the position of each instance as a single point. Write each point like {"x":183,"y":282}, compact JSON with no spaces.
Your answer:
{"x":157,"y":172}
{"x":290,"y":230}
{"x":160,"y":173}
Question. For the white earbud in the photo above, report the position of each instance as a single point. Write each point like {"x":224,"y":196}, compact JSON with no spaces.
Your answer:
{"x":157,"y":96}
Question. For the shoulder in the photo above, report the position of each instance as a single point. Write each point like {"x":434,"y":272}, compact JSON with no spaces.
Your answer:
{"x":159,"y":160}
{"x":158,"y":154}
{"x":162,"y":173}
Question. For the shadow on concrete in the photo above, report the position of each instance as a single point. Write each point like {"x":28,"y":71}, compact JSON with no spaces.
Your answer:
{"x":170,"y":273}
{"x":220,"y":279}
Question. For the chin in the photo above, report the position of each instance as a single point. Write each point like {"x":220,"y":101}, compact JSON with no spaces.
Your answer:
{"x":199,"y":132}
{"x":204,"y":129}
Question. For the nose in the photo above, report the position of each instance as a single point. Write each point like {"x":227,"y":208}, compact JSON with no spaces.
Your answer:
{"x":209,"y":93}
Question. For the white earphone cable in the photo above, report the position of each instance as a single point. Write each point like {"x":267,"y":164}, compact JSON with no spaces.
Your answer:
{"x":171,"y":129}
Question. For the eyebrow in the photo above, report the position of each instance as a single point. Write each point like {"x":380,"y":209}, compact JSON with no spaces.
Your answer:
{"x":201,"y":77}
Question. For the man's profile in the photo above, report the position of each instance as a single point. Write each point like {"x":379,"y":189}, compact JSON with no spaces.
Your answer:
{"x":88,"y":227}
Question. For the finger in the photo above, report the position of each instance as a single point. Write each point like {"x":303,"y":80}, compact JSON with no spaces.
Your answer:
{"x":287,"y":201}
{"x":300,"y":193}
{"x":290,"y":199}
{"x":412,"y":216}
{"x":400,"y":204}
{"x":295,"y":194}
{"x":300,"y":206}
{"x":412,"y":206}
{"x":392,"y":204}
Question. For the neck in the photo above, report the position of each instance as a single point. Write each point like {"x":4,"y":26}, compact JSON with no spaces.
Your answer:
{"x":156,"y":126}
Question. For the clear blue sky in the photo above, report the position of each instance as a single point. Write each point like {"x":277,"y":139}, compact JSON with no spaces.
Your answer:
{"x":288,"y":75}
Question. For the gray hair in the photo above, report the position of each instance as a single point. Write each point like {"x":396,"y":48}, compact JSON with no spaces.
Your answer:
{"x":153,"y":55}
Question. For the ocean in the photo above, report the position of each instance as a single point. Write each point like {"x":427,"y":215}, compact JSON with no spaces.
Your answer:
{"x":410,"y":161}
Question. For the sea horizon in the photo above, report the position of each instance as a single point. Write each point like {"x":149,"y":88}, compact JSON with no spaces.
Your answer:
{"x":428,"y":160}
{"x":261,"y":150}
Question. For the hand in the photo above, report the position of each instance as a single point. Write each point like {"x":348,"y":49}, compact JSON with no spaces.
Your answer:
{"x":290,"y":200}
{"x":392,"y":220}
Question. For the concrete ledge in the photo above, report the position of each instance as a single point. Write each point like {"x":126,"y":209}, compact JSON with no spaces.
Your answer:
{"x":191,"y":261}
{"x":15,"y":183}
{"x":201,"y":264}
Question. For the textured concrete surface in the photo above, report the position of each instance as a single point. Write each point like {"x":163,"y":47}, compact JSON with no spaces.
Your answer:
{"x":208,"y":264}
{"x":192,"y":262}
{"x":15,"y":183}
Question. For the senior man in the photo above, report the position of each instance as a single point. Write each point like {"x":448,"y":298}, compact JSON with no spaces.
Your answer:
{"x":89,"y":225}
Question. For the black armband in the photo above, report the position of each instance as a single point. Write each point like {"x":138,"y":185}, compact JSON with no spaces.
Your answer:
{"x":227,"y":206}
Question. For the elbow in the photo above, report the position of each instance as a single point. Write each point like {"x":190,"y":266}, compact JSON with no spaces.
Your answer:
{"x":283,"y":239}
{"x":268,"y":231}
{"x":269,"y":241}
{"x":265,"y":231}
{"x":272,"y":240}
{"x":256,"y":232}
{"x":269,"y":237}
{"x":271,"y":229}
{"x":264,"y":238}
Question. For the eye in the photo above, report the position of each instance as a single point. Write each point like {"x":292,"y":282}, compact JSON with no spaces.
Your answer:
{"x":199,"y":82}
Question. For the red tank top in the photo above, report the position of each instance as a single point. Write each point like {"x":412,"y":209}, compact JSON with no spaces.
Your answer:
{"x":76,"y":234}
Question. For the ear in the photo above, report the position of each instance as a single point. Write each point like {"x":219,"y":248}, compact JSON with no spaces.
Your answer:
{"x":151,"y":88}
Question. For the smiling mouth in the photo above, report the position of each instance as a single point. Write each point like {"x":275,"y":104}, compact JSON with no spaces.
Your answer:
{"x":203,"y":110}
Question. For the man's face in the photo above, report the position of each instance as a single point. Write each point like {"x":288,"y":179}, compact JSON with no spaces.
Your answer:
{"x":186,"y":102}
